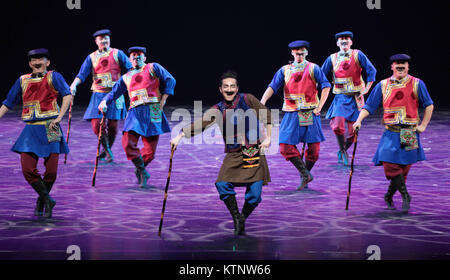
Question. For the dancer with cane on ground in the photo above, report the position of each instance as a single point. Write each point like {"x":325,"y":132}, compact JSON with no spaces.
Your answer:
{"x":244,"y":165}
{"x":102,"y":123}
{"x":351,"y":169}
{"x":166,"y":192}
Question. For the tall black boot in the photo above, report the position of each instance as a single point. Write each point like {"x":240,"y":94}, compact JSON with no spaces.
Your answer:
{"x":306,"y":176}
{"x":342,"y":154}
{"x":140,"y":171}
{"x":39,"y":210}
{"x":247,"y":209}
{"x":348,"y":143}
{"x":106,"y":147}
{"x":309,"y":165}
{"x":389,"y":195}
{"x":232,"y":206}
{"x":40,"y":187}
{"x":399,"y":182}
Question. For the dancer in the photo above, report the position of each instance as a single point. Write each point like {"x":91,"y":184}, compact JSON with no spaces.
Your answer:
{"x":105,"y":64}
{"x":243,"y":164}
{"x":42,"y":136}
{"x":349,"y":89}
{"x":399,"y":147}
{"x":302,"y":106}
{"x":148,"y":86}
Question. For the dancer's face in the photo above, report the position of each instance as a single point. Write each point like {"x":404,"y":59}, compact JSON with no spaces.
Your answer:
{"x":344,"y":43}
{"x":400,"y":69}
{"x":103,"y":42}
{"x":299,"y":54}
{"x":137,"y":59}
{"x":229,"y":89}
{"x":39,"y":65}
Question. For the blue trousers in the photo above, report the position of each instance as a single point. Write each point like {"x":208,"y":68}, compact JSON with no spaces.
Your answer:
{"x":252,"y":193}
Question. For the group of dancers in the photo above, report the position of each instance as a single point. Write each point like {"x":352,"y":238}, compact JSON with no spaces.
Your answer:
{"x":148,"y":85}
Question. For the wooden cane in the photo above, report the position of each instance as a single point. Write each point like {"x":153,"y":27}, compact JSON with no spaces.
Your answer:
{"x":98,"y":149}
{"x":68,"y":130}
{"x":166,"y":193}
{"x":351,"y":169}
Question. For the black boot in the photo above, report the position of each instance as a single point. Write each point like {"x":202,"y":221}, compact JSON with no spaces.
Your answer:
{"x":399,"y":182}
{"x":48,"y":202}
{"x":107,"y":149}
{"x":389,"y":195}
{"x":342,"y":154}
{"x":39,"y":210}
{"x":140,"y":171}
{"x":306,"y":176}
{"x":309,"y":165}
{"x":247,"y":209}
{"x":348,"y":143}
{"x":232,"y":206}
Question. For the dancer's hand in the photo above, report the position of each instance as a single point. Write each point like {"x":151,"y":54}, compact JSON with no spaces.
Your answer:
{"x":174,"y":142}
{"x":73,"y":89}
{"x":316,"y":111}
{"x":102,"y":107}
{"x":265,"y":144}
{"x":54,"y":124}
{"x":357,"y":125}
{"x":421,"y":128}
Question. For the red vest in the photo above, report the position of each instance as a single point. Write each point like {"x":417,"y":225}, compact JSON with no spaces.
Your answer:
{"x":105,"y":70}
{"x":300,"y":90}
{"x":39,"y":97}
{"x":400,"y":101}
{"x":347,"y":73}
{"x":142,"y":85}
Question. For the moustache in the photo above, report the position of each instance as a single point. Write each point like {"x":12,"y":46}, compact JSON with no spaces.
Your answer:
{"x":229,"y":92}
{"x":37,"y":65}
{"x":400,"y":68}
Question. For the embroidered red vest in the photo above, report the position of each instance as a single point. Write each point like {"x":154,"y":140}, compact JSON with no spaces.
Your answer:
{"x":347,"y":73}
{"x":39,"y":97}
{"x":105,"y":70}
{"x":300,"y":90}
{"x":401,"y":101}
{"x":142,"y":85}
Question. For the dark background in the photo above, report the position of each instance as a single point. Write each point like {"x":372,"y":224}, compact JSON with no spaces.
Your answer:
{"x":197,"y":41}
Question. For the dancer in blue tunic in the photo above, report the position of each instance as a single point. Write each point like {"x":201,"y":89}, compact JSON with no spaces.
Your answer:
{"x":105,"y":64}
{"x":148,"y":86}
{"x":41,"y":137}
{"x":399,"y":147}
{"x":349,"y":89}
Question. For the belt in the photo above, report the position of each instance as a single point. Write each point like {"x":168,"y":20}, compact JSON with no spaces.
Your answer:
{"x":38,"y":122}
{"x":397,"y":128}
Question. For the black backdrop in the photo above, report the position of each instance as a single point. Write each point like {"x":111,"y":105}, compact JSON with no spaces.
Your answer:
{"x":197,"y":41}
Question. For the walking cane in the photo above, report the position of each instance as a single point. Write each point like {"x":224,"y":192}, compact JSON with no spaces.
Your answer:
{"x":98,"y":149}
{"x":68,"y":130}
{"x":166,"y":193}
{"x":351,"y":169}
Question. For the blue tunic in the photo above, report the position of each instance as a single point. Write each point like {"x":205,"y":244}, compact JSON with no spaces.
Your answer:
{"x":389,"y":148}
{"x":345,"y":105}
{"x":117,"y":110}
{"x":290,"y":130}
{"x":33,"y":138}
{"x":139,"y":118}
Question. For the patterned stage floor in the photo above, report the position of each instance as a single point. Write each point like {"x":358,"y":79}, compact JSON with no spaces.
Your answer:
{"x":118,"y":220}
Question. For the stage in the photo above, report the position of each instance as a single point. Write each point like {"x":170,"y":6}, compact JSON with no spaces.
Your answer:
{"x":118,"y":220}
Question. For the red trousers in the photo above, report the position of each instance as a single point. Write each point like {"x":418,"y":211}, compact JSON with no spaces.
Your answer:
{"x":311,"y":154}
{"x":109,"y":129}
{"x":29,"y":167}
{"x":392,"y":169}
{"x":338,"y":126}
{"x":130,"y":141}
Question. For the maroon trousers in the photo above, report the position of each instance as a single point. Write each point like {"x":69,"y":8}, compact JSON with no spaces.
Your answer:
{"x":338,"y":126}
{"x":109,"y":129}
{"x":392,"y":169}
{"x":130,"y":141}
{"x":290,"y":151}
{"x":29,"y":167}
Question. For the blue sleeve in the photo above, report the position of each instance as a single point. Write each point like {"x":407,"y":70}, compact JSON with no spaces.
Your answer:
{"x":327,"y":66}
{"x":368,"y":66}
{"x":60,"y":84}
{"x":167,"y":80}
{"x":124,"y":61}
{"x":118,"y":89}
{"x":86,"y":69}
{"x":278,"y":80}
{"x":14,"y":96}
{"x":424,"y":96}
{"x":374,"y":100}
{"x":320,"y":78}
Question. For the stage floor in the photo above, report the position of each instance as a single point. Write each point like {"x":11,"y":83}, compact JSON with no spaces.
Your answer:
{"x":118,"y":220}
